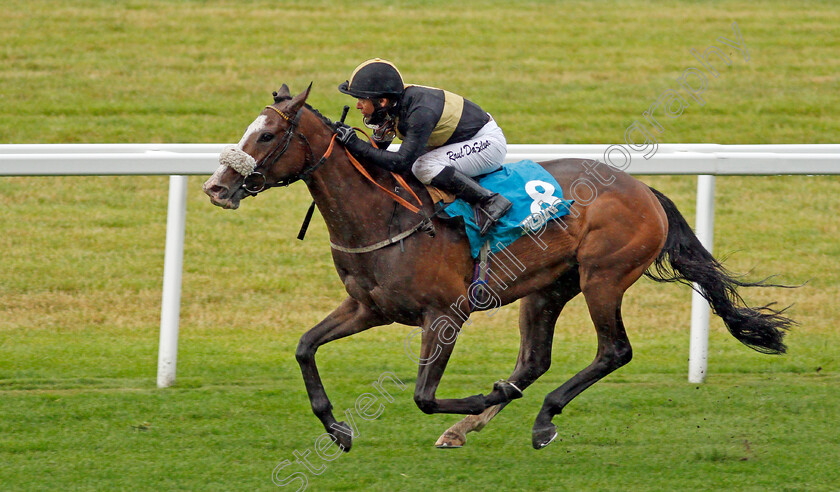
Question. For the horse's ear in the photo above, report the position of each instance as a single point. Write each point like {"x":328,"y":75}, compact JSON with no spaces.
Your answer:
{"x":298,"y":100}
{"x":282,"y":94}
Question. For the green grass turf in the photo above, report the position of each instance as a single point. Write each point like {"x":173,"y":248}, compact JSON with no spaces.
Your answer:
{"x":82,"y":257}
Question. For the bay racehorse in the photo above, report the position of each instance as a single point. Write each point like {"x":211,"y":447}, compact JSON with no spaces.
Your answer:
{"x":619,"y":231}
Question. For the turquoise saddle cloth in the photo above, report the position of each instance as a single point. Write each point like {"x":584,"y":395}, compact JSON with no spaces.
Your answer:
{"x":536,"y":198}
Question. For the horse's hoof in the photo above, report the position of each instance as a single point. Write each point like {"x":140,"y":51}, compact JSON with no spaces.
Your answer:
{"x":450,"y":440}
{"x":342,"y":435}
{"x":541,"y":438}
{"x":508,"y":389}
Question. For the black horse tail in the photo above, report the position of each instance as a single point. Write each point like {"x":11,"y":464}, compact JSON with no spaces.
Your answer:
{"x":684,"y":259}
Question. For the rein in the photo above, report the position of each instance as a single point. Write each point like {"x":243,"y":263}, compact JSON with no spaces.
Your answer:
{"x":252,"y":188}
{"x":425,"y":225}
{"x":402,"y":201}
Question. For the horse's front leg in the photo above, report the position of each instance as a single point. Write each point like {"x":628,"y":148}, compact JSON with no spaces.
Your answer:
{"x":439,"y":335}
{"x":349,"y":318}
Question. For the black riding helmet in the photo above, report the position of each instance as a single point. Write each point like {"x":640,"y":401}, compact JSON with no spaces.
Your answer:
{"x":374,"y":78}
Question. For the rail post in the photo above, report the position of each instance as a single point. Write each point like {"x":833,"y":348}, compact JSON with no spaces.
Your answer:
{"x":698,"y":351}
{"x":173,"y":262}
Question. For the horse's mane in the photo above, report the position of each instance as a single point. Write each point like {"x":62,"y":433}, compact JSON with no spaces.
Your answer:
{"x":278,"y":98}
{"x":323,"y":118}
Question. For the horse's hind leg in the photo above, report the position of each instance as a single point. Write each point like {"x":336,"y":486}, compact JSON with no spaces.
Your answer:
{"x":456,"y":436}
{"x":538,"y":315}
{"x":603,"y":289}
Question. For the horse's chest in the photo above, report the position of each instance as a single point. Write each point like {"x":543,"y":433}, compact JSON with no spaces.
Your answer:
{"x":381,"y":287}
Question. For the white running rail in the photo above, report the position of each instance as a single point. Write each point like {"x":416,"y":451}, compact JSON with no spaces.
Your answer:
{"x":179,"y":160}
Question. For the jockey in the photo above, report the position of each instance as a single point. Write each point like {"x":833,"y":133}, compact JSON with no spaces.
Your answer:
{"x":446,"y":139}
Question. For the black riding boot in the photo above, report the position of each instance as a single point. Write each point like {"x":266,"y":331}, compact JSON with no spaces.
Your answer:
{"x":491,"y":205}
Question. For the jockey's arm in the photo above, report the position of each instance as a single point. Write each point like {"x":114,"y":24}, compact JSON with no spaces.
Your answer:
{"x":419,"y":126}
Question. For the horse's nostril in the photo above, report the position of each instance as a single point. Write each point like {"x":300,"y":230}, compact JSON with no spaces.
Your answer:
{"x":216,"y":190}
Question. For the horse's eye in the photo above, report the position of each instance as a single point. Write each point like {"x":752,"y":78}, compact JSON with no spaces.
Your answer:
{"x":266,"y":137}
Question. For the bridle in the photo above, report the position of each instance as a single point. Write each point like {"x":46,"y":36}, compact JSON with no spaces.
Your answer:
{"x":256,"y":182}
{"x":252,"y":189}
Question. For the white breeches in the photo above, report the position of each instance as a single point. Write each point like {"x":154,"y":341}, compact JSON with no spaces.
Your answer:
{"x":481,"y":154}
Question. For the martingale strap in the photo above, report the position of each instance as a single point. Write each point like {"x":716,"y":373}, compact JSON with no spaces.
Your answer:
{"x":425,"y":225}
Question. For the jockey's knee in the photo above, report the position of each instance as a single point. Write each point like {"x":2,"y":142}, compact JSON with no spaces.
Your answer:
{"x":426,"y":169}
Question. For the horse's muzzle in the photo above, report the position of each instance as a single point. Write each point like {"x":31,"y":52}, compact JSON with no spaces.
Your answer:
{"x":221,"y":194}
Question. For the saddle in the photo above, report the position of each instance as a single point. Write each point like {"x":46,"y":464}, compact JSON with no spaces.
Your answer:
{"x":536,"y":197}
{"x":440,"y":196}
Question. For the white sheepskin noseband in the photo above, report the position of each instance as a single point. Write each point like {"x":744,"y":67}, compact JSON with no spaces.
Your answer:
{"x":237,"y":159}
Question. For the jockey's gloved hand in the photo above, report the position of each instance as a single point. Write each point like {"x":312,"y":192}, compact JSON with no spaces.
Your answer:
{"x":345,"y":133}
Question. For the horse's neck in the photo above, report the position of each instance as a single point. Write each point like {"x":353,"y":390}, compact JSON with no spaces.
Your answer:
{"x":357,"y":213}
